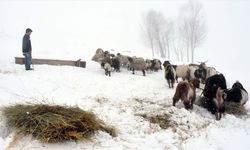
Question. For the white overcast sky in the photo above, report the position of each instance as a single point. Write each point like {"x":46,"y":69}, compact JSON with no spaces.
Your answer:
{"x":72,"y":27}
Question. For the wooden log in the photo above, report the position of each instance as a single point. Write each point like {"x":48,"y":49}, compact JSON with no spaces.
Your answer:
{"x":55,"y":62}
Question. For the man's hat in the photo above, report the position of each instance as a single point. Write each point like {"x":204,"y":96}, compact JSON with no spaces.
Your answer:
{"x":28,"y":30}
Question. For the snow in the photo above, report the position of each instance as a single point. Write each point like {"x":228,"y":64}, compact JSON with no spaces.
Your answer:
{"x":118,"y":100}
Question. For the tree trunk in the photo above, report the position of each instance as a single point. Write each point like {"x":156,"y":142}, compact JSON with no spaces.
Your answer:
{"x":181,"y":56}
{"x":152,"y":48}
{"x":168,"y":50}
{"x":192,"y":55}
{"x":161,"y":49}
{"x":187,"y":54}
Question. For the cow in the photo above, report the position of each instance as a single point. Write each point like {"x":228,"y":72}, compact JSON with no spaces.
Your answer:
{"x":186,"y":91}
{"x":236,"y":94}
{"x":214,"y":94}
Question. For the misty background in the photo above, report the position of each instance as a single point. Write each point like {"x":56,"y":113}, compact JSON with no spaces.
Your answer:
{"x":75,"y":29}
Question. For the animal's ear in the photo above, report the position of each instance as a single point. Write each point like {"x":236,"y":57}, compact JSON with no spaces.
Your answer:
{"x":224,"y":95}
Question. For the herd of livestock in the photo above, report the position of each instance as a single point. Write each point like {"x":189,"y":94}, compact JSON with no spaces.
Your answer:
{"x":215,"y":91}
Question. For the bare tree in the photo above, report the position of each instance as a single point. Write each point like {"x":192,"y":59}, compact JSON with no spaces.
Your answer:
{"x":177,"y":45}
{"x":183,"y":29}
{"x":148,"y":30}
{"x":193,"y":27}
{"x":167,"y":36}
{"x":158,"y":33}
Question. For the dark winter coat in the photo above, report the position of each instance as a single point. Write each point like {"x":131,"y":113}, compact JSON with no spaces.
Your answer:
{"x":26,"y":44}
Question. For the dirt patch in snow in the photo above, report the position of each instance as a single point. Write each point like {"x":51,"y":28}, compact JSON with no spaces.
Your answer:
{"x":163,"y":120}
{"x":184,"y":123}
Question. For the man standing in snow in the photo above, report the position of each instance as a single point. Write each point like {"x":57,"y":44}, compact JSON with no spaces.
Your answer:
{"x":27,"y":49}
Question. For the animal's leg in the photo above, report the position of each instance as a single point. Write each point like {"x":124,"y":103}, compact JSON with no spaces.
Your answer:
{"x":172,"y":82}
{"x":186,"y":104}
{"x":192,"y":101}
{"x":169,"y":83}
{"x":191,"y":105}
{"x":175,"y":98}
{"x":143,"y":71}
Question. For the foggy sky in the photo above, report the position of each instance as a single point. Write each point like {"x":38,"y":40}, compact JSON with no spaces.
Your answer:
{"x":79,"y":27}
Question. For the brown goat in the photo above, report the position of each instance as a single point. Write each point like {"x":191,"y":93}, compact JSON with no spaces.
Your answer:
{"x":219,"y":103}
{"x":186,"y":92}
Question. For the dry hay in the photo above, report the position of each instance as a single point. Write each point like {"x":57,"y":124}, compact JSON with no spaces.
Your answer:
{"x":201,"y":101}
{"x":163,"y":120}
{"x":54,"y":124}
{"x":235,"y":108}
{"x":231,"y":107}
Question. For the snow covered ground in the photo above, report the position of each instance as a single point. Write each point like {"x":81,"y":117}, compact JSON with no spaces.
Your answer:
{"x":118,"y":100}
{"x":73,"y":30}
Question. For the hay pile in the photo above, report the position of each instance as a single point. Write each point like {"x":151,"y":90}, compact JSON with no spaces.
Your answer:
{"x":53,"y":124}
{"x":163,"y":120}
{"x":231,"y":107}
{"x":235,"y":108}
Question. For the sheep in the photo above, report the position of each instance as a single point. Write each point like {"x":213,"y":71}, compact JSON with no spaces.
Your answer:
{"x":148,"y":64}
{"x":98,"y":55}
{"x":156,"y":65}
{"x":116,"y":63}
{"x":107,"y":68}
{"x":137,"y":64}
{"x":123,"y":60}
{"x":99,"y":51}
{"x":183,"y":72}
{"x":105,"y":60}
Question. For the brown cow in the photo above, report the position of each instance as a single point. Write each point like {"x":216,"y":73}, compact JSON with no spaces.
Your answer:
{"x":186,"y":92}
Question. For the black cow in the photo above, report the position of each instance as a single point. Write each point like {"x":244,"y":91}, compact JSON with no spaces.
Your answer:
{"x":236,"y":94}
{"x":214,"y":95}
